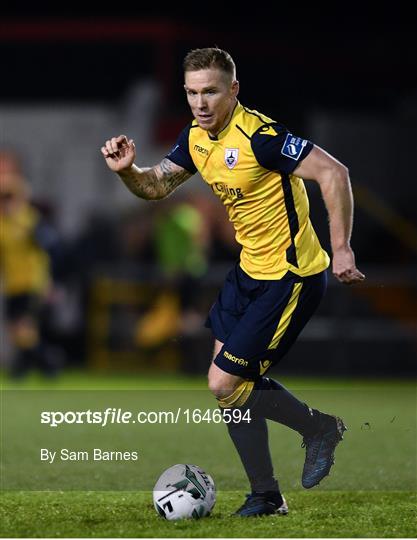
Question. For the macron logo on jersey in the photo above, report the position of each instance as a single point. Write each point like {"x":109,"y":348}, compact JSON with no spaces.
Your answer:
{"x":293,"y":146}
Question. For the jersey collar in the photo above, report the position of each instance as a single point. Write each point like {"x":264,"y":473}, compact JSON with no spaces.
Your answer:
{"x":238,"y":108}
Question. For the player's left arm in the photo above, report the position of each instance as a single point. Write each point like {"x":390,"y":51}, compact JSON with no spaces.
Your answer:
{"x":333,"y":179}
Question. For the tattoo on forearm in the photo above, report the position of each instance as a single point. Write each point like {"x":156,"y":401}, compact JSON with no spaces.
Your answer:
{"x":141,"y":182}
{"x":171,"y":179}
{"x":154,"y":183}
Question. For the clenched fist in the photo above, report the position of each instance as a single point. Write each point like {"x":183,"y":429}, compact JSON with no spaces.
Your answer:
{"x":119,"y":153}
{"x":344,"y":267}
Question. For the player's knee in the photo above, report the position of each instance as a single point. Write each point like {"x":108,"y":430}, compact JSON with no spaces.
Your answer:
{"x":220,"y":383}
{"x":221,"y":388}
{"x":231,"y":391}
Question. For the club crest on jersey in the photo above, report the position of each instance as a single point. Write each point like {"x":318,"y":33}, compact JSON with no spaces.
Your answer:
{"x":230,"y":157}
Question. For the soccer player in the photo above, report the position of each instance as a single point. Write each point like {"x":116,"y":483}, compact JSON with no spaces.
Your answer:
{"x":28,"y":248}
{"x":256,"y":167}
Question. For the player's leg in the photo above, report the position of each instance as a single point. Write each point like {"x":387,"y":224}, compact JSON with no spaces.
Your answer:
{"x":23,"y":332}
{"x":289,"y":303}
{"x":50,"y":359}
{"x":238,"y":297}
{"x":250,"y":439}
{"x":271,"y":323}
{"x":24,"y":338}
{"x":221,"y":383}
{"x":324,"y":432}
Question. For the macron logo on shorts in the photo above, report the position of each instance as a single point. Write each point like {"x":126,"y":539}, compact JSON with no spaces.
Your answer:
{"x":293,"y":146}
{"x":239,"y":361}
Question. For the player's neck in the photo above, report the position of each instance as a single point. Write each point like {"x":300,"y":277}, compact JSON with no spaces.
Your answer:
{"x":226,"y":120}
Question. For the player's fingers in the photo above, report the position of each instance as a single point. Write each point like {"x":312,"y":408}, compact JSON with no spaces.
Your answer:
{"x":351,"y":276}
{"x":122,"y":145}
{"x":131,"y":147}
{"x":109,"y":149}
{"x":357,"y":277}
{"x":355,"y":273}
{"x":340,"y":277}
{"x":339,"y":273}
{"x":121,"y":140}
{"x":114,"y":145}
{"x":104,"y":151}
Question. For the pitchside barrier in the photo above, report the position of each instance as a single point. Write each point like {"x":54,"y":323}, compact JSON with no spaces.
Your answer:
{"x":145,"y":322}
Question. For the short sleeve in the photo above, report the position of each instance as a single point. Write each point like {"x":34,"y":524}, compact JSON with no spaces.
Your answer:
{"x":276,"y":149}
{"x":180,"y":154}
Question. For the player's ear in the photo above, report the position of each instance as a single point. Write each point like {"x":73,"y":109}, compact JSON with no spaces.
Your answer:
{"x":235,"y":88}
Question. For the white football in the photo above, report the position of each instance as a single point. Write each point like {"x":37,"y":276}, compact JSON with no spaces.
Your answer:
{"x":184,"y":492}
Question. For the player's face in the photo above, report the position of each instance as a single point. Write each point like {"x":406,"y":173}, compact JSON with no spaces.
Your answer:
{"x":211,"y":94}
{"x":12,"y":192}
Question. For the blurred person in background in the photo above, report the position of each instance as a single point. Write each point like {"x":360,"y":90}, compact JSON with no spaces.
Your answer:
{"x":28,"y":249}
{"x":256,"y":166}
{"x":179,"y":240}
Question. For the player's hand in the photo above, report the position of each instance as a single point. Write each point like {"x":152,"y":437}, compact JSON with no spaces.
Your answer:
{"x":119,"y":153}
{"x":344,"y":267}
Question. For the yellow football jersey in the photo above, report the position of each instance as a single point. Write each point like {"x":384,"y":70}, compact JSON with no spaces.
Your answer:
{"x":249,"y":166}
{"x":24,"y":265}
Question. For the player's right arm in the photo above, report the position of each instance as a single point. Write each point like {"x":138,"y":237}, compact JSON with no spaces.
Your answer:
{"x":148,"y":182}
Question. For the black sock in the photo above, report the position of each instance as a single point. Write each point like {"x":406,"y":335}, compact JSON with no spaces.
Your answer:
{"x":251,"y":442}
{"x":271,"y":400}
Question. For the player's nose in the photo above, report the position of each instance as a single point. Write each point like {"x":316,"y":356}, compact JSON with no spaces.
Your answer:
{"x":201,"y":102}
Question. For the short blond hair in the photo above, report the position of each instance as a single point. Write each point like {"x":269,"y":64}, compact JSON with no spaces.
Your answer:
{"x":210,"y":57}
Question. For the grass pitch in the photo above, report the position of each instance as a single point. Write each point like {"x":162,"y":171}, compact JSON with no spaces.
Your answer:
{"x":131,"y":515}
{"x":370,"y":493}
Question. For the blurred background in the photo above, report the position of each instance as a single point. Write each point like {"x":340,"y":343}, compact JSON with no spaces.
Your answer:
{"x":94,"y":278}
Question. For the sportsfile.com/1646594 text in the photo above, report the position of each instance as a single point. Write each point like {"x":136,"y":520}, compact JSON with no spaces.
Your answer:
{"x":113,"y":415}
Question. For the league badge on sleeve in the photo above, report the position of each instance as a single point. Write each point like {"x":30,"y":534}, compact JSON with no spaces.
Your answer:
{"x":293,"y":146}
{"x":230,"y":157}
{"x":173,"y":149}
